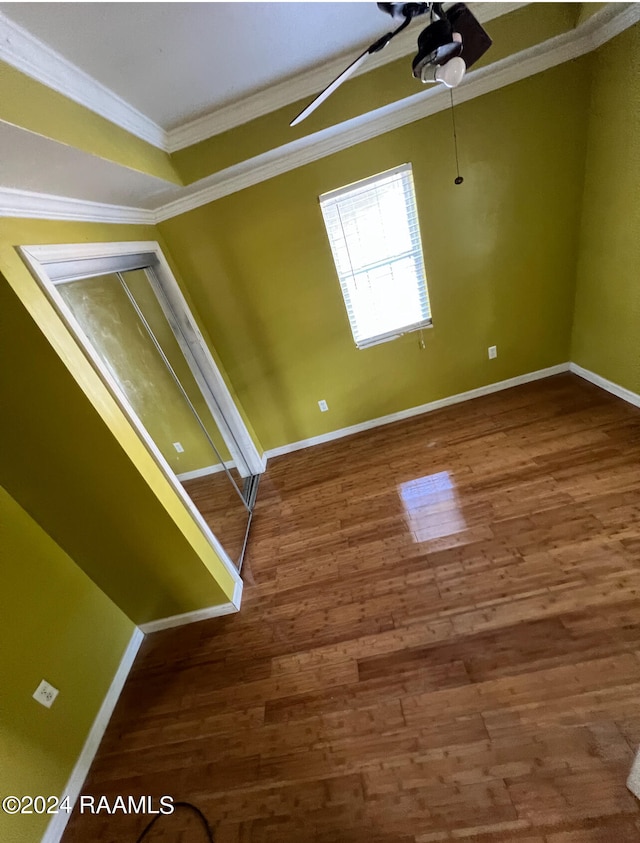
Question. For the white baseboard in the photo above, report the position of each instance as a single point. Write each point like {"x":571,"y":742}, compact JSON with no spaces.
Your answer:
{"x":614,"y":388}
{"x":58,"y":823}
{"x":202,"y":472}
{"x":417,"y":411}
{"x":56,"y":827}
{"x":198,"y":614}
{"x":214,"y":469}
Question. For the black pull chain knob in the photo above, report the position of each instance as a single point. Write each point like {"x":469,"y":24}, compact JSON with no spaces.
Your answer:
{"x":458,"y":179}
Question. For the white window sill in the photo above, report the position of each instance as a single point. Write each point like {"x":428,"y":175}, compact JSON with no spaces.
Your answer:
{"x":381,"y":338}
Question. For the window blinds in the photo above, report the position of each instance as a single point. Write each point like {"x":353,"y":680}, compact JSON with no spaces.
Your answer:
{"x":375,"y":240}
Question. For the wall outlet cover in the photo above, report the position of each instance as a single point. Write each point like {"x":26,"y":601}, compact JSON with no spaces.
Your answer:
{"x":323,"y":406}
{"x":493,"y":352}
{"x":45,"y":694}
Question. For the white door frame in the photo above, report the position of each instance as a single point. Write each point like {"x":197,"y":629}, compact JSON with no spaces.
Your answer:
{"x":68,"y":259}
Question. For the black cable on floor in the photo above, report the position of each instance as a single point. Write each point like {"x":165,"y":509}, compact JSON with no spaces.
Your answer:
{"x":188,"y":805}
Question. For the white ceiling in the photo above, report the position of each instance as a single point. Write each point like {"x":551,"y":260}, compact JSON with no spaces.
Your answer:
{"x":177,"y":61}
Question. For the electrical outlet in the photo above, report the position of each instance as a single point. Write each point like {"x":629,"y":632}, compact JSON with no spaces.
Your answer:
{"x":323,"y":406}
{"x":45,"y":694}
{"x":178,"y":447}
{"x":493,"y":352}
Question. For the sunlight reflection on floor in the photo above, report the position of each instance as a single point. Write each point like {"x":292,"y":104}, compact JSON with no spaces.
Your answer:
{"x":432,"y":507}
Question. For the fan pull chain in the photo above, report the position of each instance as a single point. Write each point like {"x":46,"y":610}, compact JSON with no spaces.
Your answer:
{"x":458,"y":179}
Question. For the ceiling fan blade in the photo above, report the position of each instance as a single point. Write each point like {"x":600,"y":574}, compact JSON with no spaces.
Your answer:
{"x":409,"y":13}
{"x":346,"y":73}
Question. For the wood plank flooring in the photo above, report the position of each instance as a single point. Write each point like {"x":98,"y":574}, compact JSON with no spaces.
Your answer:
{"x":439,"y":641}
{"x":221,"y":506}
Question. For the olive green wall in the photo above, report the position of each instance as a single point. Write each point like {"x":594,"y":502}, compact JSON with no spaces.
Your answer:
{"x":56,"y":625}
{"x":72,"y":460}
{"x":70,"y":473}
{"x":606,"y":331}
{"x":500,"y":255}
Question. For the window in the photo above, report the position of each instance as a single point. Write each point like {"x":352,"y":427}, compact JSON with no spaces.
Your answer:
{"x":375,"y":239}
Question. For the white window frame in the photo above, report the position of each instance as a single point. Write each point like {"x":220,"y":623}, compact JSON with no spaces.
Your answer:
{"x":332,"y":201}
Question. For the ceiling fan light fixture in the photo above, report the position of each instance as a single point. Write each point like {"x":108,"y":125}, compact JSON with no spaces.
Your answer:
{"x":437,"y":45}
{"x":440,"y":45}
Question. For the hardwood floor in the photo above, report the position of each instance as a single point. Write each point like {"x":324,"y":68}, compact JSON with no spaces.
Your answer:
{"x":439,"y":640}
{"x":221,"y":506}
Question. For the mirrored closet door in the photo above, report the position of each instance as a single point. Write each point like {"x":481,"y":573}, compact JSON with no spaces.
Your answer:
{"x":137,"y":337}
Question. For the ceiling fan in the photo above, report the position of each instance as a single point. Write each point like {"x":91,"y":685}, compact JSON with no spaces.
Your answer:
{"x":451,"y":43}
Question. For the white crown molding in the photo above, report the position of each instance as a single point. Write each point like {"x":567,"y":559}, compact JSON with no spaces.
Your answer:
{"x":615,"y":24}
{"x":306,"y":84}
{"x":59,"y":821}
{"x":601,"y":27}
{"x":45,"y":206}
{"x":31,"y":56}
{"x":25,"y":52}
{"x":604,"y":25}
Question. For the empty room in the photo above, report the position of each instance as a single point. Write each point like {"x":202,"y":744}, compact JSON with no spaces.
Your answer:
{"x":320,"y":477}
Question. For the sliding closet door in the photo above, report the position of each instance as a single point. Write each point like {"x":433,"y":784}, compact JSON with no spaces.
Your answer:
{"x":121,"y":317}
